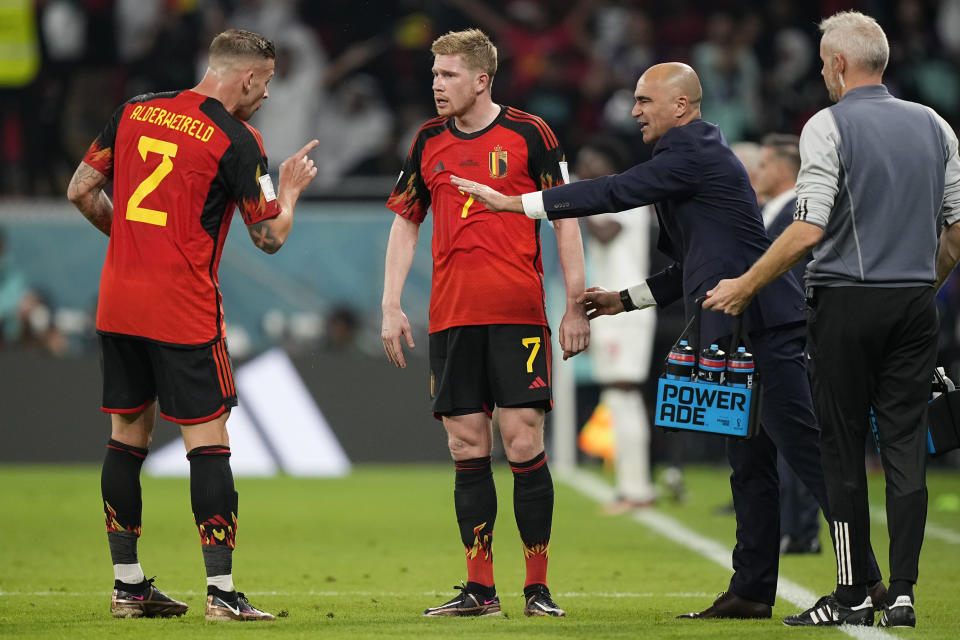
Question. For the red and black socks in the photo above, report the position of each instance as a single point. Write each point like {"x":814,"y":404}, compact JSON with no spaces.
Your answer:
{"x":533,"y":509}
{"x":475,"y":498}
{"x":123,"y":509}
{"x":214,"y":502}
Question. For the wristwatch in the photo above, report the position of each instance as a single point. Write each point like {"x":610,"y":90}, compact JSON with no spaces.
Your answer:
{"x":626,"y":300}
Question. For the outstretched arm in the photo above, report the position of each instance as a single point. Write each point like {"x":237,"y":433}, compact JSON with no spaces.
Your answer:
{"x":86,"y":193}
{"x":733,"y":296}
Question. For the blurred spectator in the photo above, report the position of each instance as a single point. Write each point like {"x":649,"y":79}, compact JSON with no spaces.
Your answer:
{"x":624,"y":42}
{"x":730,"y":76}
{"x":37,"y":330}
{"x":621,"y":346}
{"x":749,"y":153}
{"x":26,"y":318}
{"x":355,"y":127}
{"x":297,"y":93}
{"x":342,"y":327}
{"x":312,"y":94}
{"x":13,"y":287}
{"x":542,"y":59}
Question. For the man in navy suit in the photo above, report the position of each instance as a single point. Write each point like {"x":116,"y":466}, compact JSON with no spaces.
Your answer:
{"x":710,"y":225}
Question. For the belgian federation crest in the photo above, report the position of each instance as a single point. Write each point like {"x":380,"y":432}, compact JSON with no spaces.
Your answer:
{"x":498,"y":162}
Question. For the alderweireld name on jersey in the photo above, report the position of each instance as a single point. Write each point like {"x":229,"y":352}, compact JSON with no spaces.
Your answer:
{"x":194,"y":127}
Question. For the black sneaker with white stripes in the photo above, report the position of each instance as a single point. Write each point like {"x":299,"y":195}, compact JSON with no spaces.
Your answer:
{"x":539,"y":602}
{"x":828,"y":611}
{"x":468,"y":603}
{"x":899,"y":614}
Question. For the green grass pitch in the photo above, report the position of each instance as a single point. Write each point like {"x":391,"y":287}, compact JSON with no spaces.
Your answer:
{"x":362,"y":556}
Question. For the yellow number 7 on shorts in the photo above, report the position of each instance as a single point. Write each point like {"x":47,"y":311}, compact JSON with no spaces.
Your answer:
{"x":527,"y":342}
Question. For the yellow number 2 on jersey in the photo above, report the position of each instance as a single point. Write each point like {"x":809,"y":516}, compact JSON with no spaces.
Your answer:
{"x":134,"y":211}
{"x":533,"y":352}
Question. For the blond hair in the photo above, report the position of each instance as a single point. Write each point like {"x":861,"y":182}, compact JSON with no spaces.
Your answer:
{"x":859,"y":38}
{"x":472,"y":45}
{"x":236,"y":44}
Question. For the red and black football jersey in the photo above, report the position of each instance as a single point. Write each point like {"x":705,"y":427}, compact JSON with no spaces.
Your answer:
{"x":180,"y":163}
{"x":487,"y":266}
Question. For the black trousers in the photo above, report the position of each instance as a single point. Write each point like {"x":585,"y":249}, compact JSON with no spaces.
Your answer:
{"x":788,"y":424}
{"x":799,"y":509}
{"x":873,"y":348}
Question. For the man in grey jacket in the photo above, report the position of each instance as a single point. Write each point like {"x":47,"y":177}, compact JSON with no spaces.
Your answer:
{"x":879,"y":182}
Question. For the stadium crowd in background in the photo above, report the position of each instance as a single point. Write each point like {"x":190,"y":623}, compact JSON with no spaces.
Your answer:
{"x":357,"y":66}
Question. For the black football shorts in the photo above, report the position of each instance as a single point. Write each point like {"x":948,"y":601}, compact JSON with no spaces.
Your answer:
{"x":474,"y":368}
{"x":193,"y":384}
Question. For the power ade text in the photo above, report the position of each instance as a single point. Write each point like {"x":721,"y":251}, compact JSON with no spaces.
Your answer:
{"x":689,"y":405}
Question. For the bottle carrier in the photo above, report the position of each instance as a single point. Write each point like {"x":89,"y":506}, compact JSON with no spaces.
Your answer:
{"x":696,"y":405}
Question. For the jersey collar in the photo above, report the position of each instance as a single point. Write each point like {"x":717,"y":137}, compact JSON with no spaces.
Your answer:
{"x":476,"y":134}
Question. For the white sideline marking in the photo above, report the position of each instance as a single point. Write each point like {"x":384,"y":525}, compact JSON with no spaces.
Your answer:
{"x":351,"y":594}
{"x":595,"y":488}
{"x":931,"y":530}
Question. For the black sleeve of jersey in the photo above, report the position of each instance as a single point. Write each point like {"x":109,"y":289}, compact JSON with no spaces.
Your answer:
{"x":410,"y":197}
{"x":242,"y":166}
{"x":100,"y":154}
{"x":545,"y":162}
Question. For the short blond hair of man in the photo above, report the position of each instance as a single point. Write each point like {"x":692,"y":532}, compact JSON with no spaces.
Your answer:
{"x":236,"y":44}
{"x":859,"y":38}
{"x":472,"y":45}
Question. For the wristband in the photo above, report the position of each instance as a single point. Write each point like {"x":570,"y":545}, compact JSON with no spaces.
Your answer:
{"x":627,"y":301}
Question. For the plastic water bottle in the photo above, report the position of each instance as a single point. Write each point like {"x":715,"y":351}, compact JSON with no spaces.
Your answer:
{"x":680,"y":362}
{"x":740,"y":368}
{"x":712,"y":363}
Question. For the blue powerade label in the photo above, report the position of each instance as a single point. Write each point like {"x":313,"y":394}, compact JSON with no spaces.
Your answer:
{"x":710,"y":408}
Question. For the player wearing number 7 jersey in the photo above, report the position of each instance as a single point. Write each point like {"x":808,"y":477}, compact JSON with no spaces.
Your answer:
{"x":180,"y":163}
{"x":489,"y":340}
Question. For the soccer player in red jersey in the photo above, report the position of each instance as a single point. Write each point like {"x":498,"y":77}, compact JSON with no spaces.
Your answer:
{"x":489,"y":340}
{"x":180,"y":163}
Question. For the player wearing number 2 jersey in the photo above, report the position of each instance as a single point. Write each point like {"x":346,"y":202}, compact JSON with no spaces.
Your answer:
{"x":489,"y":341}
{"x":180,"y":163}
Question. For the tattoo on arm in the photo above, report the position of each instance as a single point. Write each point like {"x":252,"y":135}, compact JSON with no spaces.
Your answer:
{"x":263,"y":237}
{"x":86,"y":189}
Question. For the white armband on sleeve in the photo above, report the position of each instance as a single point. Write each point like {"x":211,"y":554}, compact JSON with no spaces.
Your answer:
{"x":533,"y":205}
{"x":642,"y":296}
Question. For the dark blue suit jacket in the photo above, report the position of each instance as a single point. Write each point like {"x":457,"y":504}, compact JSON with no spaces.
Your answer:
{"x":779,"y":224}
{"x":710,"y":223}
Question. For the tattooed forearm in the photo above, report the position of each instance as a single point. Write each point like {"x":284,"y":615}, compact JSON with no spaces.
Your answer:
{"x":264,"y":238}
{"x":86,"y":193}
{"x":100,"y":213}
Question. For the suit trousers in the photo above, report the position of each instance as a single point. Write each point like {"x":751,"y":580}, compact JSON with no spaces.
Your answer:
{"x":799,"y":510}
{"x":874,"y":348}
{"x":787,"y":424}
